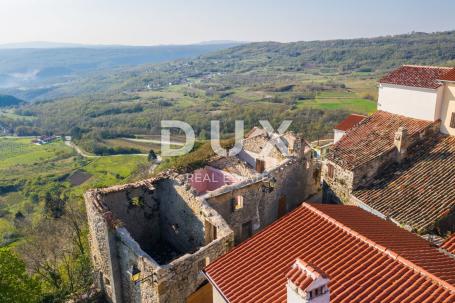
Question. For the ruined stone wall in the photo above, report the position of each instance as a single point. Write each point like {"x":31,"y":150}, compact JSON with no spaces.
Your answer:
{"x":103,"y":249}
{"x":293,"y":182}
{"x":338,"y":188}
{"x":115,"y":250}
{"x":139,"y":212}
{"x":180,"y":216}
{"x":173,"y":282}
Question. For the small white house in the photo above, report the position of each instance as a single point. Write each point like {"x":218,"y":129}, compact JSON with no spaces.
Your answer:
{"x":420,"y":92}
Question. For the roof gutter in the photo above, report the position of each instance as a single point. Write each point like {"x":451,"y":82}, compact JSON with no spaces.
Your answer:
{"x":214,"y":285}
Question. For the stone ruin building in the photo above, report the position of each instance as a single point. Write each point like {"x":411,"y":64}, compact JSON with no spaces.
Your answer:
{"x":150,"y":240}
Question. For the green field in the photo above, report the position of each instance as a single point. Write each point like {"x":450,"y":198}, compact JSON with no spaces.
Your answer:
{"x":28,"y":170}
{"x":144,"y":147}
{"x":356,"y":105}
{"x":9,"y":114}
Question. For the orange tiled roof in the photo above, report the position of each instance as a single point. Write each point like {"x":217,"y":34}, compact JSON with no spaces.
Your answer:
{"x":417,"y":76}
{"x":367,"y":259}
{"x":418,"y":191}
{"x":450,"y":76}
{"x":449,"y":244}
{"x":371,"y":138}
{"x":350,"y":122}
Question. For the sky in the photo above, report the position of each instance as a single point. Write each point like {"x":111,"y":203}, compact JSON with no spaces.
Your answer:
{"x":153,"y":22}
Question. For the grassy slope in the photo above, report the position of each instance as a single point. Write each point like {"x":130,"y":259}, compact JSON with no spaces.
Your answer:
{"x":21,"y":162}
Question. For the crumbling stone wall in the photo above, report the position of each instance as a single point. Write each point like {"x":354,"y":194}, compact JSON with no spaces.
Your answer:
{"x":292,"y":182}
{"x":115,"y":250}
{"x":102,"y":242}
{"x":139,"y":212}
{"x":180,"y":218}
{"x":168,"y":283}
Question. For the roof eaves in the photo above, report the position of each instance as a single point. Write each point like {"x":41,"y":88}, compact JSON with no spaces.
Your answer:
{"x":211,"y":281}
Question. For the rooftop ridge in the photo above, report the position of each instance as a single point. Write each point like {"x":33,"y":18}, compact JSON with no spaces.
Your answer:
{"x":416,"y":268}
{"x":309,"y":269}
{"x":428,"y":66}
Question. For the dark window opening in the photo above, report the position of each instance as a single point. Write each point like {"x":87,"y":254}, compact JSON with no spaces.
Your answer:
{"x":452,"y":121}
{"x":247,"y":230}
{"x":282,"y":206}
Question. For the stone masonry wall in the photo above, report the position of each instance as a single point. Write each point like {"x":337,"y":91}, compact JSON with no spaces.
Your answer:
{"x":115,"y":251}
{"x":180,"y":219}
{"x":173,"y":282}
{"x":294,"y":183}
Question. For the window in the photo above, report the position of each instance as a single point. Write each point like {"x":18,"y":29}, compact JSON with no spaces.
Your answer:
{"x":210,"y":232}
{"x":237,"y":203}
{"x":452,"y":121}
{"x":330,"y":170}
{"x":282,"y":206}
{"x":247,"y":230}
{"x":260,"y":165}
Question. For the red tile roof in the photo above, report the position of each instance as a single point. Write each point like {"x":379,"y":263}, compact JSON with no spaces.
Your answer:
{"x":417,"y":76}
{"x":450,"y":76}
{"x":418,"y":191}
{"x":350,"y":122}
{"x":449,"y":244}
{"x":367,"y":259}
{"x":371,"y":138}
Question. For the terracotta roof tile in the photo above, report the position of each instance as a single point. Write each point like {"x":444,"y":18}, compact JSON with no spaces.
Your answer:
{"x":449,"y":244}
{"x":367,"y":259}
{"x":417,"y":76}
{"x":350,"y":122}
{"x":418,"y":191}
{"x":372,"y":137}
{"x":450,"y":76}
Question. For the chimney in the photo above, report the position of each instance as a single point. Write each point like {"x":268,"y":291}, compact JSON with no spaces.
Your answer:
{"x":260,"y":165}
{"x":401,"y":142}
{"x":307,"y":284}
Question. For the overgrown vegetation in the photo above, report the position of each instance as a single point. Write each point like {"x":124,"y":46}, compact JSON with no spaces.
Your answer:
{"x":42,"y":216}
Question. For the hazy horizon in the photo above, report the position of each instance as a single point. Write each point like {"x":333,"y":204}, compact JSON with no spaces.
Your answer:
{"x":175,"y":22}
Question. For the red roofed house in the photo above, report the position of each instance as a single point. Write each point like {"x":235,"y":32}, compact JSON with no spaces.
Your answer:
{"x":399,"y":163}
{"x":420,"y":92}
{"x":324,"y":253}
{"x":345,"y":125}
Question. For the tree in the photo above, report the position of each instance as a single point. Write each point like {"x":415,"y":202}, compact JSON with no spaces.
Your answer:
{"x":54,"y":202}
{"x":16,"y":286}
{"x":56,"y":251}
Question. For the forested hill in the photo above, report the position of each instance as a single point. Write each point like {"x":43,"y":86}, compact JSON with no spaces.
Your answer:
{"x":9,"y":101}
{"x":269,"y":59}
{"x":373,"y":54}
{"x":313,"y":83}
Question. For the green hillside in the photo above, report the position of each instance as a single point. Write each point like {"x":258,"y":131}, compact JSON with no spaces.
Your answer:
{"x":9,"y":101}
{"x":315,"y":83}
